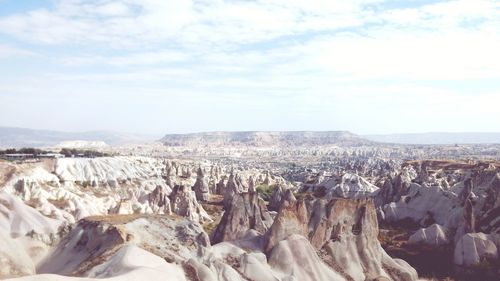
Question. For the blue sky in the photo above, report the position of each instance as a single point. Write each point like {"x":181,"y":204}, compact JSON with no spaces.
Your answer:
{"x":158,"y":66}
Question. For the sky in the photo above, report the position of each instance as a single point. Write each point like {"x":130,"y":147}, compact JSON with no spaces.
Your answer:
{"x":161,"y":66}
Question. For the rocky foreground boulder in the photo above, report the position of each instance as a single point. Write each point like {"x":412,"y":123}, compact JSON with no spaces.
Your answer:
{"x":434,"y":235}
{"x":473,"y":248}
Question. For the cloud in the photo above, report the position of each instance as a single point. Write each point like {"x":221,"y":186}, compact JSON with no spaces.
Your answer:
{"x":140,"y":58}
{"x":132,"y":22}
{"x":310,"y":61}
{"x":9,"y":52}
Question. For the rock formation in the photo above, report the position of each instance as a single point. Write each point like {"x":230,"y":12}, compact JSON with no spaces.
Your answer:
{"x":346,"y":230}
{"x":159,"y":201}
{"x":231,"y":189}
{"x":434,"y":235}
{"x":247,"y":211}
{"x":127,"y":222}
{"x":184,"y":203}
{"x":95,"y":242}
{"x":201,"y":187}
{"x":472,"y":248}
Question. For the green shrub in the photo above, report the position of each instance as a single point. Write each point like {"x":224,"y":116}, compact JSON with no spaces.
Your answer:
{"x":265,"y":191}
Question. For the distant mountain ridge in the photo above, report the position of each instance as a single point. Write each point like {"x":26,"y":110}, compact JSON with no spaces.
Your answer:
{"x":438,"y":138}
{"x":265,"y":138}
{"x":11,"y":137}
{"x":22,"y":137}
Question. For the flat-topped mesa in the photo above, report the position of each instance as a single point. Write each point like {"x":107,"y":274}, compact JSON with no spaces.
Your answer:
{"x":345,"y":230}
{"x":263,"y":139}
{"x":246,"y":211}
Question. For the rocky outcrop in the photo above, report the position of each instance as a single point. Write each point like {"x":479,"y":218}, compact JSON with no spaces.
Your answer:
{"x":296,"y":257}
{"x":472,"y":248}
{"x":83,"y":248}
{"x":246,"y":212}
{"x":347,"y":185}
{"x":422,"y":204}
{"x":346,"y":229}
{"x":453,"y":201}
{"x":395,"y":187}
{"x":434,"y":235}
{"x":159,"y":201}
{"x":221,"y":186}
{"x":279,"y":197}
{"x":466,"y":198}
{"x":231,"y":189}
{"x":276,"y":197}
{"x":201,"y":187}
{"x":489,"y":211}
{"x":184,"y":203}
{"x":251,"y":184}
{"x":89,"y":248}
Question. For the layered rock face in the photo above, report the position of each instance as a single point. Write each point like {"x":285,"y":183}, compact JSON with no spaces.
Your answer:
{"x":346,"y":230}
{"x":184,"y":203}
{"x":298,"y":259}
{"x":160,"y":201}
{"x":343,"y":231}
{"x":83,"y":248}
{"x":246,"y":212}
{"x":125,"y":248}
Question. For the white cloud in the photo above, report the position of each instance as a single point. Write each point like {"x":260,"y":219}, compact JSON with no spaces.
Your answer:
{"x":321,"y":60}
{"x":9,"y":52}
{"x":142,"y":58}
{"x":132,"y":22}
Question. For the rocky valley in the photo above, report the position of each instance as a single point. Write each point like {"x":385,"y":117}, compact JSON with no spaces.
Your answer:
{"x":249,"y":140}
{"x":254,"y":206}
